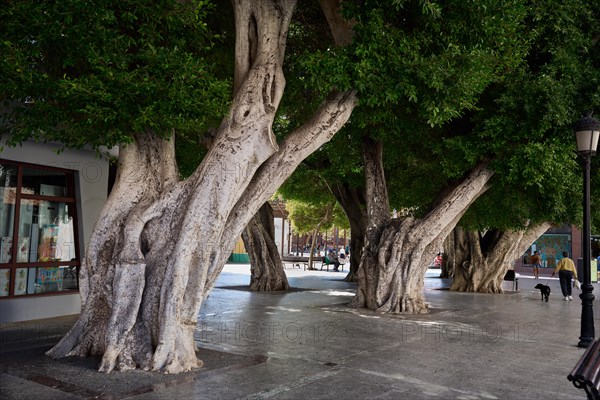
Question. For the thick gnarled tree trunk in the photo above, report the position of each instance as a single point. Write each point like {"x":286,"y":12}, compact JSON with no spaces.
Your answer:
{"x":486,"y":257}
{"x":397,"y":252}
{"x":266,"y":264}
{"x":160,"y":244}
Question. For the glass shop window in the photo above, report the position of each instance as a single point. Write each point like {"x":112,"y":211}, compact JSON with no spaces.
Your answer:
{"x":45,"y":258}
{"x":44,"y":182}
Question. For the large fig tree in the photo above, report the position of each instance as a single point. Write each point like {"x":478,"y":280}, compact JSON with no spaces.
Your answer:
{"x":440,"y":59}
{"x":398,"y":251}
{"x":484,"y":257}
{"x":160,"y":242}
{"x":493,"y":124}
{"x":535,"y":104}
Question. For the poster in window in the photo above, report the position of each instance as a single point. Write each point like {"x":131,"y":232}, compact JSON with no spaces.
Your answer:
{"x":49,"y":275}
{"x":65,"y":243}
{"x":9,"y":195}
{"x":23,"y":250}
{"x":5,"y":250}
{"x":4,"y":281}
{"x":48,"y":241}
{"x":20,"y":281}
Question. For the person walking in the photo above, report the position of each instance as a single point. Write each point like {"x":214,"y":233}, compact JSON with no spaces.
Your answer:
{"x":566,"y":271}
{"x":536,"y":263}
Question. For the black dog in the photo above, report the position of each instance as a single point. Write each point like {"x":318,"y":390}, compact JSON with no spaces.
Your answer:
{"x":545,"y":289}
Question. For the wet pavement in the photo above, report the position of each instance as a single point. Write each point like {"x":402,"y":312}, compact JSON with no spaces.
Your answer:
{"x":307,"y":343}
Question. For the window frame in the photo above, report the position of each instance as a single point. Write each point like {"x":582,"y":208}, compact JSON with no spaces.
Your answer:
{"x":71,"y":199}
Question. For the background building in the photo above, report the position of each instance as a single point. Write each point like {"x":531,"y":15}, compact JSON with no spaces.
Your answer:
{"x":551,"y":245}
{"x":49,"y":202}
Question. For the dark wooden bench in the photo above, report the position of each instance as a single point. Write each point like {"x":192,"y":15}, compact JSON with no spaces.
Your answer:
{"x":295,"y":262}
{"x":512,"y":276}
{"x":586,"y":374}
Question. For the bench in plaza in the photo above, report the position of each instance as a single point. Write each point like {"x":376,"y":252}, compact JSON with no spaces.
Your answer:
{"x":299,"y":262}
{"x":586,"y":374}
{"x":294,"y":262}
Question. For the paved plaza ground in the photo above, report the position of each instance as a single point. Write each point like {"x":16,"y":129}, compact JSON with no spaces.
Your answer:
{"x":306,"y":344}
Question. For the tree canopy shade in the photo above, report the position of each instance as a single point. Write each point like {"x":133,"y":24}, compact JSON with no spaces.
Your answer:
{"x":307,"y":216}
{"x":526,"y":121}
{"x":94,"y":73}
{"x":135,"y":75}
{"x":518,"y":119}
{"x":428,"y":59}
{"x":415,"y":65}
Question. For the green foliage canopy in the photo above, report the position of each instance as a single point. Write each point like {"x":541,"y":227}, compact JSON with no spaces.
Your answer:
{"x":444,"y":91}
{"x":97,"y":72}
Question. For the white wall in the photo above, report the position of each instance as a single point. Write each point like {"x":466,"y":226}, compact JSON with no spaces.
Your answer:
{"x":91,"y":179}
{"x":17,"y":309}
{"x":282,"y":225}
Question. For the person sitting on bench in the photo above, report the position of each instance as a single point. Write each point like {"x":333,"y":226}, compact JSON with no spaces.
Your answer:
{"x":334,"y":260}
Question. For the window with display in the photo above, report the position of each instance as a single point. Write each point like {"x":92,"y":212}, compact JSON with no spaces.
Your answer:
{"x":39,"y":252}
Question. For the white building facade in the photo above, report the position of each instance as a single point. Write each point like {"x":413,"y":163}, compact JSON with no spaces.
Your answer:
{"x":49,"y":203}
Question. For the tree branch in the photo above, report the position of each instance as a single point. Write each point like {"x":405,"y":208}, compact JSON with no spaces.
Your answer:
{"x":341,"y":29}
{"x":455,"y":203}
{"x":302,"y":142}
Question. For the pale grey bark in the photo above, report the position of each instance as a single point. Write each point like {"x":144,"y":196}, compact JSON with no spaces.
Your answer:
{"x":160,"y":244}
{"x":487,"y":256}
{"x":114,"y":265}
{"x":531,"y":234}
{"x":397,"y":252}
{"x":326,"y":121}
{"x":378,"y":217}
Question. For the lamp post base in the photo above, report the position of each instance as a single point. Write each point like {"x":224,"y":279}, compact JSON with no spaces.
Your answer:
{"x":588,"y":332}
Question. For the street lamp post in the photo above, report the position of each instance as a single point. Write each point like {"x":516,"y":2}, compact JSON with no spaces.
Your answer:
{"x":587,"y":131}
